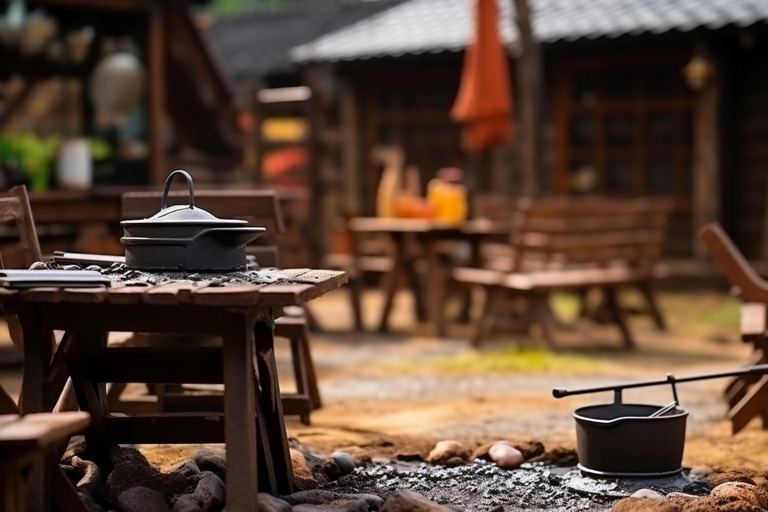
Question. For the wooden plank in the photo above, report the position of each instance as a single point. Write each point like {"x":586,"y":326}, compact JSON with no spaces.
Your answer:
{"x":287,"y":294}
{"x":41,"y":430}
{"x":122,"y":293}
{"x":85,"y":295}
{"x":752,"y":317}
{"x":44,"y":294}
{"x":751,"y":405}
{"x":323,"y":280}
{"x":574,"y":278}
{"x":172,"y":293}
{"x":162,"y":365}
{"x":166,"y":428}
{"x":228,"y":295}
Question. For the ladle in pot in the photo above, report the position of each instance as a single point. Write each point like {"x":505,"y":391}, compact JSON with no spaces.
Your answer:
{"x":664,"y":410}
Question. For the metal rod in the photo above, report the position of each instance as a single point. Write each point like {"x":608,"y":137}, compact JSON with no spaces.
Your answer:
{"x":756,"y":369}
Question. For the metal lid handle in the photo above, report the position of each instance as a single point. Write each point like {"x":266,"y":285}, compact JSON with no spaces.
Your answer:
{"x":169,"y":180}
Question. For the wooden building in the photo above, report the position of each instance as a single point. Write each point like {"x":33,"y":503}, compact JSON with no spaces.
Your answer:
{"x":186,"y":108}
{"x":661,"y":98}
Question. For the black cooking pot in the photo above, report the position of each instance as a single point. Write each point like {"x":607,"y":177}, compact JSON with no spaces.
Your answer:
{"x":626,"y":440}
{"x":186,"y":238}
{"x":622,"y":440}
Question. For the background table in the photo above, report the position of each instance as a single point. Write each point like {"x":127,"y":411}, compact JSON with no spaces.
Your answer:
{"x":242,"y":314}
{"x":429,"y":234}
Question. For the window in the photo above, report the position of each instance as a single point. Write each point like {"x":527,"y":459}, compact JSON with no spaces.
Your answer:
{"x":623,"y":128}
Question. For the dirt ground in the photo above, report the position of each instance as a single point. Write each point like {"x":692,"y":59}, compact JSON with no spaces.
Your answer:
{"x":410,"y":389}
{"x":399,"y":393}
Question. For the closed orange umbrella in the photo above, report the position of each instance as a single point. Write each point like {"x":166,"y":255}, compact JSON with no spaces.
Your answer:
{"x":484,"y":102}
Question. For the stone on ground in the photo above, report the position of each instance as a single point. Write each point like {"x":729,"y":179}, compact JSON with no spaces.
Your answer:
{"x":447,"y":450}
{"x":404,"y":500}
{"x":505,"y":456}
{"x":213,"y":461}
{"x":743,"y":492}
{"x":299,"y":463}
{"x":209,"y":495}
{"x":268,"y":503}
{"x":344,"y":461}
{"x":142,"y":499}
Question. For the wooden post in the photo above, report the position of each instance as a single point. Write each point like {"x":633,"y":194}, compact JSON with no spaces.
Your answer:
{"x":350,"y":130}
{"x":155,"y":62}
{"x":706,"y":148}
{"x":529,"y":65}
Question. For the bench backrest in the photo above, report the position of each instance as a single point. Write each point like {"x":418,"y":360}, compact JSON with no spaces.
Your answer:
{"x":258,"y":207}
{"x":563,"y":232}
{"x":14,"y":208}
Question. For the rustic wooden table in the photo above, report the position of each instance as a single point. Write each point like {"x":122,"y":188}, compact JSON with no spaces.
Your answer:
{"x":429,"y":234}
{"x":242,"y":314}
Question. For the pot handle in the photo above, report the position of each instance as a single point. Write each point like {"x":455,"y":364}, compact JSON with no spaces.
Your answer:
{"x":169,"y":180}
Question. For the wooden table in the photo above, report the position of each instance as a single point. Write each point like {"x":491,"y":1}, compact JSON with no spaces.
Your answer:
{"x":242,"y":314}
{"x":429,"y":234}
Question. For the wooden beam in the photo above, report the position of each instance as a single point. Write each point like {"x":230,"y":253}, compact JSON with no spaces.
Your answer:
{"x":156,"y":101}
{"x":529,"y":88}
{"x":202,"y":365}
{"x":107,"y":5}
{"x":706,"y":152}
{"x":350,"y":127}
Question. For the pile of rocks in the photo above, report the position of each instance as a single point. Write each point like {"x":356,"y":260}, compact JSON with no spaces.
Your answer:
{"x":197,"y":485}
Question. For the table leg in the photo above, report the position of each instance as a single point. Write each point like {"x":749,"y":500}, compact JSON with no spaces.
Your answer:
{"x":435,"y":288}
{"x":239,"y":418}
{"x":38,"y":351}
{"x":91,"y":396}
{"x":272,"y":406}
{"x":393,"y":279}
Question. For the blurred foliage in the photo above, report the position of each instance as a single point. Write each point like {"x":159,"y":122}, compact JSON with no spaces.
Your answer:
{"x":33,"y":158}
{"x":32,"y":155}
{"x":518,"y":360}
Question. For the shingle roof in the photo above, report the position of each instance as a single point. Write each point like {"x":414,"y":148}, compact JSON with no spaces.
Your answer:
{"x":420,"y":26}
{"x":255,"y":44}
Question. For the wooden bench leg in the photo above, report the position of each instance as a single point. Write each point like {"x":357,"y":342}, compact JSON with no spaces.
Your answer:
{"x":541,"y":314}
{"x":753,"y":404}
{"x":652,"y":303}
{"x":38,"y":352}
{"x":392,"y":282}
{"x":272,"y":407}
{"x":619,"y":317}
{"x":485,"y":322}
{"x":355,"y":288}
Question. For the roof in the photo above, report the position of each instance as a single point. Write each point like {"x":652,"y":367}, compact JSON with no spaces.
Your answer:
{"x":256,"y":44}
{"x":420,"y":26}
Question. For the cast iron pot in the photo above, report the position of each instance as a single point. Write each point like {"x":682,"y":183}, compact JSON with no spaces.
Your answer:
{"x":186,"y":238}
{"x":621,"y":440}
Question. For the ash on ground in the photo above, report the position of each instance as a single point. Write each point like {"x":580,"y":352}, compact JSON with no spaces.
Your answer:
{"x":483,"y":487}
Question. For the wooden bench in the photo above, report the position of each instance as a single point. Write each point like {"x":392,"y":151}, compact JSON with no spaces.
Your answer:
{"x":577,"y":245}
{"x":747,"y":396}
{"x":25,"y":441}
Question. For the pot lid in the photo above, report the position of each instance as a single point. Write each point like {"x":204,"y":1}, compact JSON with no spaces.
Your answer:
{"x":182,"y":213}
